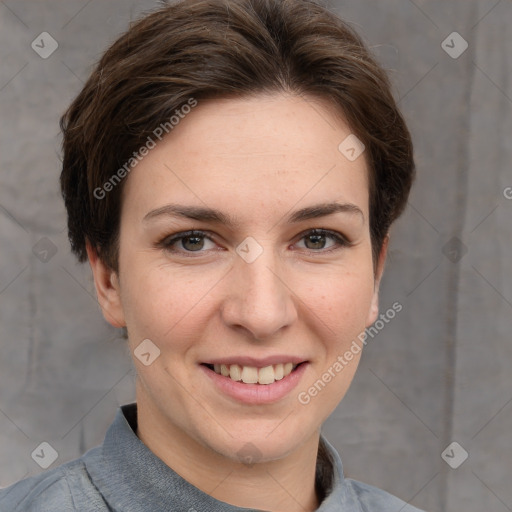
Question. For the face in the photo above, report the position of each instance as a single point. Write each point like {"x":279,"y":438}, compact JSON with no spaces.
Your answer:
{"x":267,"y":278}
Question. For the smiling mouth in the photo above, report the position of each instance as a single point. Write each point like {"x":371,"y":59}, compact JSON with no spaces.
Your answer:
{"x":253,"y":375}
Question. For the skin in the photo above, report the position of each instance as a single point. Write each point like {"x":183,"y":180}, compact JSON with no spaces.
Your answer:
{"x":257,"y":159}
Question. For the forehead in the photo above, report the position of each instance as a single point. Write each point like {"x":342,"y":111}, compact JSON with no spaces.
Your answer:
{"x":258,"y":152}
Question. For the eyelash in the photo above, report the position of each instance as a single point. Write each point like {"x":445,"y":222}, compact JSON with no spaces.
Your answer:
{"x":168,"y":241}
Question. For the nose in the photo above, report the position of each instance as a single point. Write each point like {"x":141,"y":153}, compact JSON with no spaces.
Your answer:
{"x":260,"y":300}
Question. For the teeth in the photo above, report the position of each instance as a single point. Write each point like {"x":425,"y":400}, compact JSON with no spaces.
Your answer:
{"x":266,"y":375}
{"x":249,"y":374}
{"x":235,"y":372}
{"x":253,"y":375}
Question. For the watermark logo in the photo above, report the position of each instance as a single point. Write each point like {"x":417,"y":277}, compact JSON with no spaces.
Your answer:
{"x":249,"y":250}
{"x":351,"y":148}
{"x":159,"y":133}
{"x":44,"y":45}
{"x":44,"y":455}
{"x":304,"y":397}
{"x":249,"y":454}
{"x":44,"y":250}
{"x":454,"y":250}
{"x":454,"y":45}
{"x":146,"y":352}
{"x":454,"y":455}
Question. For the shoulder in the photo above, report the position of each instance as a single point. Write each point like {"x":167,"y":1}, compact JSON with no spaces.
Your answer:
{"x":373,"y":499}
{"x":66,"y":488}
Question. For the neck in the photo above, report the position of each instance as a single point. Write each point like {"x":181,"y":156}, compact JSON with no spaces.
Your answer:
{"x":288,"y":483}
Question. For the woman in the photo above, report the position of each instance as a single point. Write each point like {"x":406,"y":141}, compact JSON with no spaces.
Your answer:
{"x":231,"y":171}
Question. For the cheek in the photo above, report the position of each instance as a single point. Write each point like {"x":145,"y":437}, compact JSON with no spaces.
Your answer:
{"x":342,"y":302}
{"x":160,"y":302}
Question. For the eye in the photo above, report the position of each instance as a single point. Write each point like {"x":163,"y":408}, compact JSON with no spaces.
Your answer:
{"x":190,"y":242}
{"x":315,"y":240}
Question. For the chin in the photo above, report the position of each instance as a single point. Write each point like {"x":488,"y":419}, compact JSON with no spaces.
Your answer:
{"x":260,"y":445}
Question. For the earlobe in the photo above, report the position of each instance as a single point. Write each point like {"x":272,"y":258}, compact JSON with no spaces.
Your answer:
{"x":374,"y":306}
{"x":106,"y":283}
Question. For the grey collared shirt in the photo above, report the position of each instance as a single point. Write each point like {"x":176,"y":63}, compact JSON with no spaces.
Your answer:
{"x":123,"y":475}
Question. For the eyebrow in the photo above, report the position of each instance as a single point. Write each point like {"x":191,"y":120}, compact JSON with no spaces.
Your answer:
{"x":216,"y":216}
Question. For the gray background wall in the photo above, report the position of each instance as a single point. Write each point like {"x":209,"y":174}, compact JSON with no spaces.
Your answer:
{"x":438,"y":373}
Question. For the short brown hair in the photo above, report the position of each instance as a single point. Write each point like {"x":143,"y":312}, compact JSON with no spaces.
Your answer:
{"x":204,"y":49}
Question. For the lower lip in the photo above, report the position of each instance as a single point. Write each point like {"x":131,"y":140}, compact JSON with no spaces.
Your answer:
{"x":256,"y":393}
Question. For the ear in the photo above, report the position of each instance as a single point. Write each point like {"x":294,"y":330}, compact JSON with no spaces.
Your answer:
{"x":106,"y":282}
{"x":374,"y":307}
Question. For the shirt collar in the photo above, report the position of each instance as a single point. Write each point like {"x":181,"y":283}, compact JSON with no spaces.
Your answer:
{"x":131,"y":478}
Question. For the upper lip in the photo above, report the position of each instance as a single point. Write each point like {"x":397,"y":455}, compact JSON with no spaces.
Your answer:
{"x":255,"y":361}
